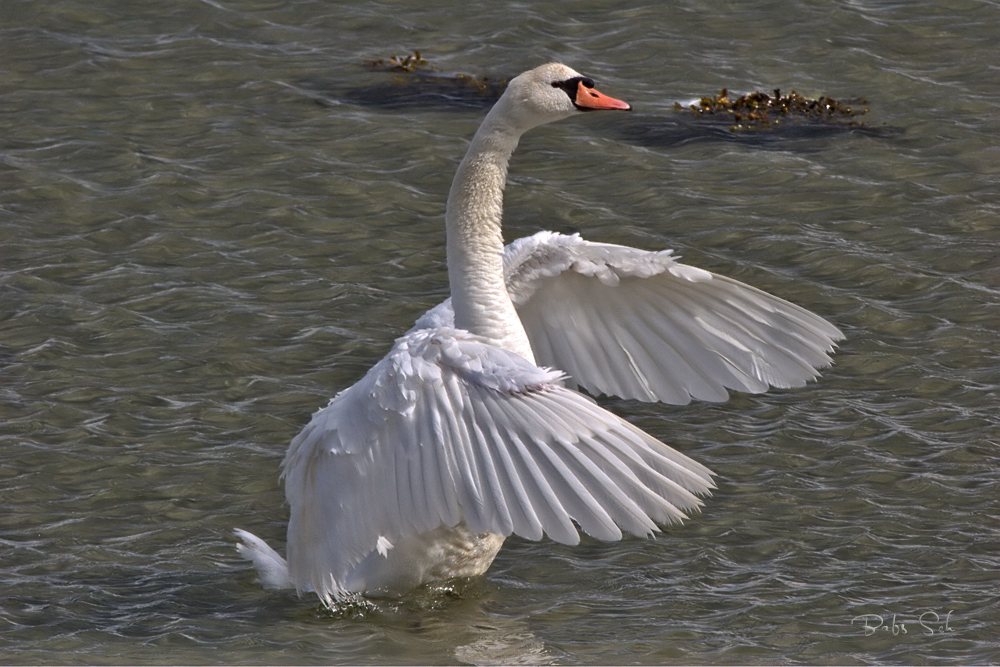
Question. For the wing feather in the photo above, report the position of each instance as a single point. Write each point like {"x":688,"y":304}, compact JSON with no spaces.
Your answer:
{"x":582,"y":506}
{"x":469,"y":483}
{"x":626,"y":457}
{"x":682,"y":353}
{"x":435,"y":502}
{"x":524,"y":519}
{"x":552,"y":516}
{"x":667,"y":358}
{"x":770,"y":353}
{"x":497,"y":503}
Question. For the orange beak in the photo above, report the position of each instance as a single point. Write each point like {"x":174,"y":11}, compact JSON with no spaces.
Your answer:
{"x":589,"y":98}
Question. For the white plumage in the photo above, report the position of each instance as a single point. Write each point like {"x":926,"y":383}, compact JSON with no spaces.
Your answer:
{"x":463,"y":434}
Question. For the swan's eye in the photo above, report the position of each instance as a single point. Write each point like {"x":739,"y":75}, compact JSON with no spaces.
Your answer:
{"x":571,"y":86}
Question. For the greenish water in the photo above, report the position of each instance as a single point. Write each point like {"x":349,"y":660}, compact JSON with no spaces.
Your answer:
{"x":209,"y":225}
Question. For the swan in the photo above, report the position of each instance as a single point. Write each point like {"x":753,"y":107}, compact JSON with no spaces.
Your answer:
{"x":472,"y":428}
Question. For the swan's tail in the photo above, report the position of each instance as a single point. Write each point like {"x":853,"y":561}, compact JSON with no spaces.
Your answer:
{"x":271,"y":567}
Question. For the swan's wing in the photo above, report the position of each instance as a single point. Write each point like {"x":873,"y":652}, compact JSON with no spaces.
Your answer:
{"x":637,"y":324}
{"x":448,"y":429}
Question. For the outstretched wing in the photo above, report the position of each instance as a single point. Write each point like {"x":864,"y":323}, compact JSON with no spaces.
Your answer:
{"x":638,"y":324}
{"x":449,"y":430}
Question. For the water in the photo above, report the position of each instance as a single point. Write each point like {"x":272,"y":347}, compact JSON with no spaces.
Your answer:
{"x":208,"y":228}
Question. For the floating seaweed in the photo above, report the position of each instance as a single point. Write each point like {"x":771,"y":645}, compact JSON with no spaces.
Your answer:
{"x":757,"y":119}
{"x":402,"y":63}
{"x":414,"y":83}
{"x":758,"y":109}
{"x":419,"y":83}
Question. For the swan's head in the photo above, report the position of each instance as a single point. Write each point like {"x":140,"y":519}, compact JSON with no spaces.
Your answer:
{"x":552,"y":92}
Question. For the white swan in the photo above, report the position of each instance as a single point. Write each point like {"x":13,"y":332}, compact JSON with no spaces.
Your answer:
{"x":463,"y":434}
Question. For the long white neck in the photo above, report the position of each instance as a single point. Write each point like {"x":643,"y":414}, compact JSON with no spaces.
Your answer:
{"x":475,"y":240}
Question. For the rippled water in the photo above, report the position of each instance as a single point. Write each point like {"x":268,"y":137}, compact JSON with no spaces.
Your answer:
{"x":213,"y":217}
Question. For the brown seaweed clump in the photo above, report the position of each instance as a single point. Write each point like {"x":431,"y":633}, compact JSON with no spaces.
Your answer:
{"x":419,"y":84}
{"x":402,"y":63}
{"x":759,"y":109}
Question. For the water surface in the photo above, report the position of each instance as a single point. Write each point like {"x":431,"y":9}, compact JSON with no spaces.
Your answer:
{"x":207,"y":232}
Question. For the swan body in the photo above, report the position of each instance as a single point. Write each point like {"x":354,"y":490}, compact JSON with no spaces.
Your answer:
{"x":465,"y":433}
